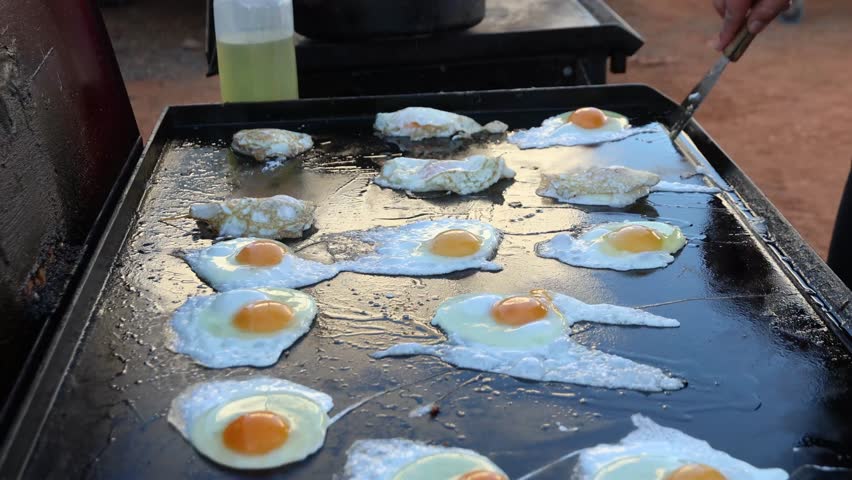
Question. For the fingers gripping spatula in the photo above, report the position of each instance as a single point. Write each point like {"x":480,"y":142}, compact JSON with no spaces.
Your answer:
{"x":732,"y":53}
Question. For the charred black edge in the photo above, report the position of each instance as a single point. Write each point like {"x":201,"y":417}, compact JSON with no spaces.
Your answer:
{"x":51,"y":356}
{"x":822,"y":289}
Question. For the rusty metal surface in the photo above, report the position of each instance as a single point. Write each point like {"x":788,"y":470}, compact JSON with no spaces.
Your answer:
{"x":769,"y":381}
{"x":66,"y":131}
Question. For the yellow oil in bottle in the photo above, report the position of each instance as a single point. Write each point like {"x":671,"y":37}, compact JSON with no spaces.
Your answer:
{"x":257,"y":71}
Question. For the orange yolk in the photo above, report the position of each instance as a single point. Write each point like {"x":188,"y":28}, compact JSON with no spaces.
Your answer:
{"x":483,"y":475}
{"x":256,"y":433}
{"x":696,"y":472}
{"x":264,"y":316}
{"x":455,"y":243}
{"x":427,"y":127}
{"x":262,"y":253}
{"x":517,"y":311}
{"x":588,"y":118}
{"x":635,"y":239}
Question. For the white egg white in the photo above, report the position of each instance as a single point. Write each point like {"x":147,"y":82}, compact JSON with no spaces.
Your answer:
{"x":657,"y":450}
{"x":203,"y":328}
{"x":559,"y":131}
{"x":201,"y":413}
{"x":476,"y":342}
{"x":267,"y":143}
{"x":471,"y":175}
{"x":419,"y":123}
{"x":405,"y":250}
{"x":217,"y":266}
{"x":401,"y":459}
{"x":611,"y":186}
{"x":590,"y":249}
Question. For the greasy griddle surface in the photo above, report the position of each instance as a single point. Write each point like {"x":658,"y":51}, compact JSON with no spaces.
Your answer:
{"x":764,"y":374}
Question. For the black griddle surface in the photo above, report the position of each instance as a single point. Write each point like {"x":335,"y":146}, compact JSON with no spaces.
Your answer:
{"x":768,"y":381}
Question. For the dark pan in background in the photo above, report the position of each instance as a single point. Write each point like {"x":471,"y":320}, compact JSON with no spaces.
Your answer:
{"x":68,"y":141}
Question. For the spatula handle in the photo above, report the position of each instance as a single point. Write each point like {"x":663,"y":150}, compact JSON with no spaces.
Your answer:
{"x":738,"y":46}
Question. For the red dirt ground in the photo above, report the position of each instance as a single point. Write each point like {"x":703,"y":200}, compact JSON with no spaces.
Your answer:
{"x":782,"y":112}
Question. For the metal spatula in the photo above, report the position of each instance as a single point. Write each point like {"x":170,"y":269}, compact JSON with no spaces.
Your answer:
{"x":731,"y":54}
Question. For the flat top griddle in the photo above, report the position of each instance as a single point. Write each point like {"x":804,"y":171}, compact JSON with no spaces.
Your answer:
{"x":769,"y":376}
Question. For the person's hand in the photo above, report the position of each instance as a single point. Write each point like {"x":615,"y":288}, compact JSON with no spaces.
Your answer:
{"x":735,"y":13}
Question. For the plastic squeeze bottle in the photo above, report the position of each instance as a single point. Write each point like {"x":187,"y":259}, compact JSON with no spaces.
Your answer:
{"x":256,"y":53}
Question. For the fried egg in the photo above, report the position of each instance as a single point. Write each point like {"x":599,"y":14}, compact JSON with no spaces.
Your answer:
{"x":528,"y":336}
{"x":419,"y":123}
{"x":252,"y":424}
{"x":655,"y":452}
{"x":612,"y":186}
{"x":430,"y":247}
{"x":275,"y":217}
{"x":254,"y":262}
{"x":401,"y":459}
{"x":270,"y":143}
{"x":617,"y":246}
{"x":471,"y":175}
{"x":242,"y":327}
{"x":585,"y":126}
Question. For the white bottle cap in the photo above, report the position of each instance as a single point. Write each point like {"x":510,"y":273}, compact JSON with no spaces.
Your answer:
{"x":253,"y":21}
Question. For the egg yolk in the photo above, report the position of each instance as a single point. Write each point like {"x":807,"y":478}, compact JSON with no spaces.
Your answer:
{"x":517,"y":311}
{"x":483,"y":475}
{"x":264,"y":316}
{"x":696,"y":471}
{"x":256,"y":433}
{"x":262,"y":253}
{"x":588,"y":118}
{"x":635,"y":239}
{"x":418,"y":126}
{"x":455,"y":243}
